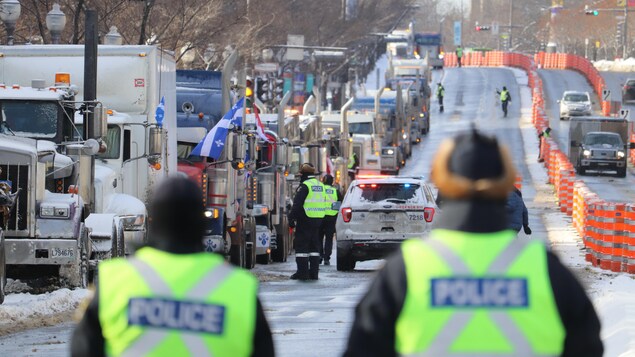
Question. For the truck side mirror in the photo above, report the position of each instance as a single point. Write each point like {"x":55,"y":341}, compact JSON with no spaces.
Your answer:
{"x":155,"y":141}
{"x":101,"y":121}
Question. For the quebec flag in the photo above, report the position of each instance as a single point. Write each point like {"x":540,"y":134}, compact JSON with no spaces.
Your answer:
{"x":159,"y":114}
{"x":213,"y":143}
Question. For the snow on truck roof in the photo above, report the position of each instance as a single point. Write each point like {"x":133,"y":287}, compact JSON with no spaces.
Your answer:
{"x":26,"y":93}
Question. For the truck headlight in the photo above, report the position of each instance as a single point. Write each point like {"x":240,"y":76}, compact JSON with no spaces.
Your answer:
{"x":586,"y":152}
{"x":134,"y":222}
{"x":61,"y":211}
{"x":621,"y":154}
{"x":390,"y":151}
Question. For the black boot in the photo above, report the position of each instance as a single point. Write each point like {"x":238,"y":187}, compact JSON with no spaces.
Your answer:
{"x":314,"y":267}
{"x":303,"y":269}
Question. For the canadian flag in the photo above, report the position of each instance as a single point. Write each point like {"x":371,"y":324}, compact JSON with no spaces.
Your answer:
{"x":330,"y":168}
{"x":260,"y":129}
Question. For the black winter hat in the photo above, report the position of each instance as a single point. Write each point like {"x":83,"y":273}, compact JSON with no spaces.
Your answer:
{"x":473,"y":166}
{"x":177,"y":210}
{"x":328,"y":180}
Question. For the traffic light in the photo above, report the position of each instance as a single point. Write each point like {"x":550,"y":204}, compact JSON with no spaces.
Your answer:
{"x":483,"y":28}
{"x":262,"y":89}
{"x":587,"y":11}
{"x":249,"y":95}
{"x":278,"y":91}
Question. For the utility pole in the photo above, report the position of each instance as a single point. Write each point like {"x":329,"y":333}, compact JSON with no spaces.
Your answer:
{"x":511,"y":28}
{"x":625,"y":35}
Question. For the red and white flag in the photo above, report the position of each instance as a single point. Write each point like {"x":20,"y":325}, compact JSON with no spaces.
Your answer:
{"x":330,"y":168}
{"x":260,"y":129}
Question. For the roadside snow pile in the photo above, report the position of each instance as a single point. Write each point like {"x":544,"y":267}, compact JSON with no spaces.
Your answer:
{"x":20,"y":307}
{"x":613,"y":300}
{"x":626,"y":65}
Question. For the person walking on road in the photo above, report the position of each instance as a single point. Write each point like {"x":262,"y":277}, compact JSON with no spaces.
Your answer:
{"x":459,"y":55}
{"x":306,"y":216}
{"x":517,"y":215}
{"x":505,"y":98}
{"x":544,"y":135}
{"x":471,"y":288}
{"x":440,"y":95}
{"x":327,"y":231}
{"x":172,"y":298}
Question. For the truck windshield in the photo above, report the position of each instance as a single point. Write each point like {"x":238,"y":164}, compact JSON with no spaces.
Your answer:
{"x":576,"y":98}
{"x":184,"y":152}
{"x":360,"y":128}
{"x":603,"y":139}
{"x":31,"y":118}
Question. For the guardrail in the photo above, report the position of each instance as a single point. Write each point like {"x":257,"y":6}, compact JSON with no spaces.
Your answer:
{"x":607,"y":229}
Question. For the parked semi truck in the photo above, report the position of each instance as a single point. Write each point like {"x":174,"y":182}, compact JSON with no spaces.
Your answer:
{"x":69,"y":212}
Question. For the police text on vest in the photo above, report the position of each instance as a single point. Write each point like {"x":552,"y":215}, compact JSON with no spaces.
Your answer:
{"x":177,"y":315}
{"x":479,"y":292}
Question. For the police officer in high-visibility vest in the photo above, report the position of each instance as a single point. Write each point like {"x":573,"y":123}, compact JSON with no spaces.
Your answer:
{"x":172,"y":298}
{"x":327,"y":230}
{"x":306,"y":216}
{"x":459,"y":55}
{"x":505,"y":98}
{"x":471,"y":288}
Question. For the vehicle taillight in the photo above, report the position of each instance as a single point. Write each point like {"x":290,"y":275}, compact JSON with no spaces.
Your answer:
{"x":347,"y":214}
{"x":428,"y":214}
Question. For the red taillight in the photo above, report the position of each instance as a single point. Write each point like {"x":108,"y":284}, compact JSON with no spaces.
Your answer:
{"x":347,"y":214}
{"x":428,"y":214}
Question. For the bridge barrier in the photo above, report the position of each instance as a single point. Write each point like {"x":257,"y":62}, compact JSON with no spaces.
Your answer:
{"x":607,"y":229}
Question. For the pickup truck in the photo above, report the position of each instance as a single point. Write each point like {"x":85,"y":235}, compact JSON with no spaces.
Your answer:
{"x":602,"y":151}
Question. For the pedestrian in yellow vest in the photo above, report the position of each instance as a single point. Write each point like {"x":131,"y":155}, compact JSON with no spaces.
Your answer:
{"x":327,"y":231}
{"x":172,"y":298}
{"x":471,"y":288}
{"x":306,"y":216}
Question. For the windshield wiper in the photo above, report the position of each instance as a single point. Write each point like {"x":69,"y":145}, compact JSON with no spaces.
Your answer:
{"x":6,"y":128}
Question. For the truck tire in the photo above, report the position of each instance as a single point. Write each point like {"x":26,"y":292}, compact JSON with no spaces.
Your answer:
{"x":263,"y":259}
{"x":250,"y":243}
{"x":621,"y":172}
{"x":237,"y":255}
{"x":3,"y":268}
{"x":580,"y":170}
{"x":281,"y":253}
{"x":345,"y":261}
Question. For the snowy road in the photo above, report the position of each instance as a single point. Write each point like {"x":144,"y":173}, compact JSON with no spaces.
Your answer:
{"x":313,"y":319}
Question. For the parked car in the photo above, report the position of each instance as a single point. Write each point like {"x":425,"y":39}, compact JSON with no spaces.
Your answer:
{"x":602,"y":151}
{"x":377,"y":215}
{"x":574,"y":103}
{"x":628,"y":91}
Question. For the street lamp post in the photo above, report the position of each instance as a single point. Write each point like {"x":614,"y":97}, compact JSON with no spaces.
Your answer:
{"x":511,"y":25}
{"x":113,"y":37}
{"x":55,"y":22}
{"x":9,"y":14}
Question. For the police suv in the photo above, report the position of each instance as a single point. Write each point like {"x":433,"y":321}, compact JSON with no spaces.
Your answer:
{"x":377,"y":214}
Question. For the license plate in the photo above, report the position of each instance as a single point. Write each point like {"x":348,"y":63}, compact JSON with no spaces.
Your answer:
{"x":62,"y":253}
{"x":603,"y":164}
{"x":386,"y":217}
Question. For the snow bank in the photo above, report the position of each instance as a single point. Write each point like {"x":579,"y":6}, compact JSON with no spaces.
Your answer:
{"x":32,"y":310}
{"x":627,"y":65}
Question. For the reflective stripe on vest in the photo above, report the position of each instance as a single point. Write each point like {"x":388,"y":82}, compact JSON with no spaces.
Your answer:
{"x":142,"y":314}
{"x":498,"y":302}
{"x":331,"y":197}
{"x":314,"y":202}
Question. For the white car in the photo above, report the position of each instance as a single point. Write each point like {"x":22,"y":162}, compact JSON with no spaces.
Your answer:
{"x":574,"y":103}
{"x":377,"y":215}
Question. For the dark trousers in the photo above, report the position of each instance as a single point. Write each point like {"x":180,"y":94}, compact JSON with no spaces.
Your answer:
{"x":440,"y":103}
{"x":505,"y":103}
{"x":326,"y":234}
{"x":458,"y":60}
{"x":307,"y":247}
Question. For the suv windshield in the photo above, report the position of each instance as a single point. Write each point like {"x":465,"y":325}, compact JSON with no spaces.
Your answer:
{"x":576,"y":97}
{"x":31,"y":118}
{"x":360,"y":128}
{"x":603,"y":139}
{"x":387,"y":192}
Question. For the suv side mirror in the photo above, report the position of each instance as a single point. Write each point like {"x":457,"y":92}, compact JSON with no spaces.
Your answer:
{"x":631,"y":146}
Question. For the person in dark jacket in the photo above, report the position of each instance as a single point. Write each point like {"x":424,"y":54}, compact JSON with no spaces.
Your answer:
{"x":306,"y":217}
{"x":517,"y":215}
{"x":116,"y":320}
{"x":327,"y":231}
{"x":471,"y":288}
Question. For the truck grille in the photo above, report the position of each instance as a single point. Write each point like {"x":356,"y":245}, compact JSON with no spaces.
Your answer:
{"x":603,"y":154}
{"x":19,"y":177}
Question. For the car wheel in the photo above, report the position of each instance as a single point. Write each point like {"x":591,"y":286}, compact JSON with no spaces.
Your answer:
{"x":580,"y":170}
{"x":345,"y":261}
{"x":621,"y":172}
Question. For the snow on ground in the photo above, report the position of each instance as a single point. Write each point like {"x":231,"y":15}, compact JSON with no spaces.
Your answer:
{"x":613,"y":295}
{"x":24,"y":311}
{"x":627,"y":65}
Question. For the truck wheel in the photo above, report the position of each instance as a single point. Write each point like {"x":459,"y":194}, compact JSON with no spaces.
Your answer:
{"x":345,"y":261}
{"x":250,"y":246}
{"x":3,"y":268}
{"x":621,"y":172}
{"x":263,"y":259}
{"x":237,"y":255}
{"x":580,"y":170}
{"x":281,"y":252}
